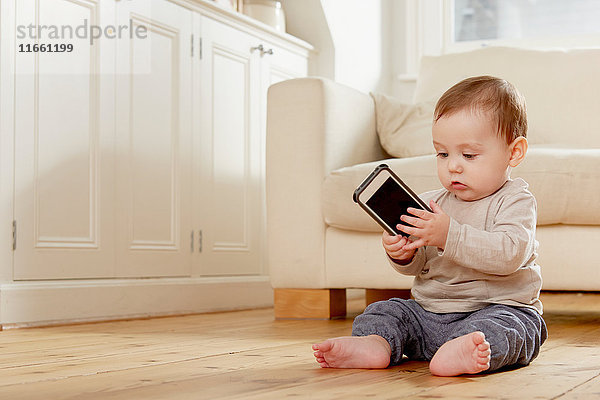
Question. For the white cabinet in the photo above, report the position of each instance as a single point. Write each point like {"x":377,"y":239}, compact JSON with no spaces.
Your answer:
{"x":144,"y":156}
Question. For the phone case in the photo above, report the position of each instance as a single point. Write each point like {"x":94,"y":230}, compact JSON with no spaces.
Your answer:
{"x":366,"y":183}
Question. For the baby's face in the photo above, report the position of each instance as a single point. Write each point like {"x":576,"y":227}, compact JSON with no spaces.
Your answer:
{"x":472,"y":159}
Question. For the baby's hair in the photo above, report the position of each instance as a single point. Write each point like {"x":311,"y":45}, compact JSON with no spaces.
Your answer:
{"x":493,"y":96}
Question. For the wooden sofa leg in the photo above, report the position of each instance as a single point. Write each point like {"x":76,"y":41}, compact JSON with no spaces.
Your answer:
{"x":310,"y":303}
{"x":374,"y":295}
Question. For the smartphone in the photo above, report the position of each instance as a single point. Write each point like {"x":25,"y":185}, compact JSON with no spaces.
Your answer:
{"x":386,"y":198}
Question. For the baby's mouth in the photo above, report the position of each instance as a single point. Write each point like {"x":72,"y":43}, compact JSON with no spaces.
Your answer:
{"x":458,"y":185}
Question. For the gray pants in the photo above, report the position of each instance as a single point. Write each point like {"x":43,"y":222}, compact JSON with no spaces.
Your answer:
{"x":515,"y":334}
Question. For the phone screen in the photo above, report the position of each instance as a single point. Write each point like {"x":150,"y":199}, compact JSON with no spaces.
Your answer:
{"x":389,"y":202}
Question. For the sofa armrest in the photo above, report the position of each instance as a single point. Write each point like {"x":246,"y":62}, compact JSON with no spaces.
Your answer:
{"x":314,"y":126}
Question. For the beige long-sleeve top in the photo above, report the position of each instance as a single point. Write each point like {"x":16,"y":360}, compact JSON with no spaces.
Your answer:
{"x":489,"y":256}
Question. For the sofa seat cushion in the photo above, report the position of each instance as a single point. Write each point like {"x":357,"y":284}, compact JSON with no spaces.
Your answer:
{"x":564,"y":182}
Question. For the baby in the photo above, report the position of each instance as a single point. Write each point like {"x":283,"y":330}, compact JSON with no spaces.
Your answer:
{"x":476,"y":290}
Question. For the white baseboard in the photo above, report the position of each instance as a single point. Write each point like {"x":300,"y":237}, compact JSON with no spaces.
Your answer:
{"x":56,"y":302}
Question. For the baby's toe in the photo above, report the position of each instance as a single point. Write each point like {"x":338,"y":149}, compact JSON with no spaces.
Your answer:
{"x":485,"y":346}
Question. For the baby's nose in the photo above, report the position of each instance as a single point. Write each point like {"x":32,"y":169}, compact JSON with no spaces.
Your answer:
{"x":455,"y":166}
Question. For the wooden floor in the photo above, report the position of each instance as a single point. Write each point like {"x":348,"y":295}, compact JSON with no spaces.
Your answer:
{"x":249,"y":355}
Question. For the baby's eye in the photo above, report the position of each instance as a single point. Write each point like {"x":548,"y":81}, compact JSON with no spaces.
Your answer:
{"x":442,"y":155}
{"x":469,"y":156}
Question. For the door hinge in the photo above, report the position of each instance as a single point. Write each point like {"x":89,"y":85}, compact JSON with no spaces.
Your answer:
{"x":14,"y":234}
{"x":200,"y":48}
{"x":200,"y":241}
{"x":192,"y":46}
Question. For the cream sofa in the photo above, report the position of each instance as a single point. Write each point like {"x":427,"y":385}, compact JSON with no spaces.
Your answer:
{"x":324,"y":138}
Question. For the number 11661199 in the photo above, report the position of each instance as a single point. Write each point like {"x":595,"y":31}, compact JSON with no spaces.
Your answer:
{"x":46,"y":48}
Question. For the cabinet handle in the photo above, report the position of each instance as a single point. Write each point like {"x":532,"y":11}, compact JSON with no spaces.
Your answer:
{"x":262,"y":50}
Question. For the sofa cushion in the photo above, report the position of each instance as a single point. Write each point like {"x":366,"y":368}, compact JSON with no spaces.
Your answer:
{"x":404,"y":130}
{"x":560,"y":87}
{"x":340,"y":211}
{"x":564,"y":182}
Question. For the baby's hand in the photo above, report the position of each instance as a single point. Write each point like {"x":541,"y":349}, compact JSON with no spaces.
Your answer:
{"x":394,"y":247}
{"x":430,"y":228}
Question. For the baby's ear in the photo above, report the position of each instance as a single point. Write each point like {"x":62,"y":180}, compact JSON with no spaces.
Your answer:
{"x":518,"y":149}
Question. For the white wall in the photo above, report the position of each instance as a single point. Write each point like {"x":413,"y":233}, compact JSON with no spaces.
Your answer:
{"x":361,"y":33}
{"x":353,"y":38}
{"x":370,"y":45}
{"x":306,"y":20}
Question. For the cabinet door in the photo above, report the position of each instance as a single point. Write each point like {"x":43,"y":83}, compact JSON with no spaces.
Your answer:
{"x":154,"y":116}
{"x":64,"y":132}
{"x":227,"y":205}
{"x":277,"y":64}
{"x":280,"y":64}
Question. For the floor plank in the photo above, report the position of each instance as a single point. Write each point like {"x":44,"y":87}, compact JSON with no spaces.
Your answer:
{"x":588,"y":390}
{"x":249,"y":355}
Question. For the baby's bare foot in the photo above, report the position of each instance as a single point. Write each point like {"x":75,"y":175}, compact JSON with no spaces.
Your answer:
{"x":468,"y":354}
{"x":353,"y":352}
